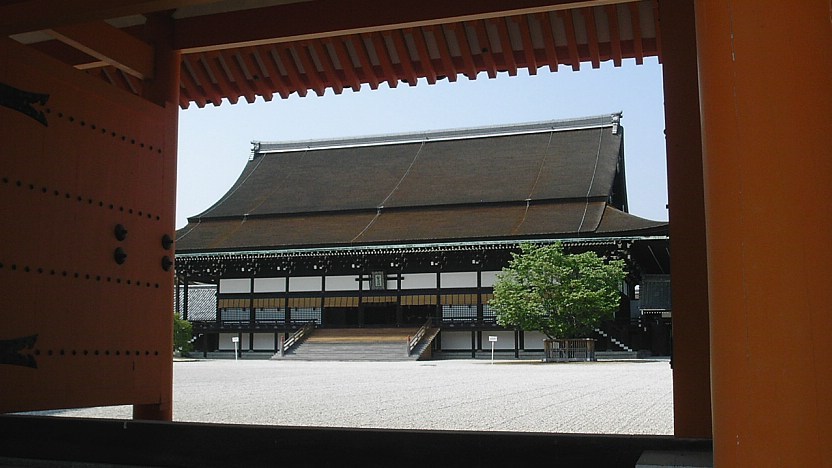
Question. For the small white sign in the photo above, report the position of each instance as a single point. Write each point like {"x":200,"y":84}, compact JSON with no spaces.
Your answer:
{"x":236,"y":339}
{"x":492,"y":338}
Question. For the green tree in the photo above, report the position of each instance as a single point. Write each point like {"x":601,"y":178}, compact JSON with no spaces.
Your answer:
{"x":182,"y":333}
{"x":562,"y":295}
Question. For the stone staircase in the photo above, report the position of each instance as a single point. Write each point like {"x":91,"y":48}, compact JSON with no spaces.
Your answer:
{"x":359,"y":344}
{"x":615,"y":341}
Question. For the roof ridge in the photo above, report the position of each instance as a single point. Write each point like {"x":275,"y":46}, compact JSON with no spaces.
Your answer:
{"x":598,"y":121}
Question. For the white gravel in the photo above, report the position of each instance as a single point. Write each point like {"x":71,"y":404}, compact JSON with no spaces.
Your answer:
{"x":613,"y":397}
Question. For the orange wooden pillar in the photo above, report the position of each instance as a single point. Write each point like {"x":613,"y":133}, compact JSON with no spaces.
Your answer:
{"x":764,"y":70}
{"x":163,"y":90}
{"x":691,"y":353}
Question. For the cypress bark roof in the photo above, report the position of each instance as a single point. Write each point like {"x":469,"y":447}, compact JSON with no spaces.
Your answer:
{"x":543,"y":180}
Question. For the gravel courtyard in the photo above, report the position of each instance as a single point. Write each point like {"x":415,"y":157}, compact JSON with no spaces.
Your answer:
{"x":612,"y":397}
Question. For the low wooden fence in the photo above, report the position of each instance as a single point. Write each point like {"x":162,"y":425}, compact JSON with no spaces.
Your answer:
{"x":575,"y":350}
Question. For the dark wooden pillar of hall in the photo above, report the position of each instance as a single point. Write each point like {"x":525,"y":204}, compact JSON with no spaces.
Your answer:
{"x":691,"y":341}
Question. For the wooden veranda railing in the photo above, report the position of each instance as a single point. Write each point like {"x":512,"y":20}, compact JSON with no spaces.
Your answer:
{"x":413,"y":341}
{"x":574,"y":350}
{"x":294,"y":338}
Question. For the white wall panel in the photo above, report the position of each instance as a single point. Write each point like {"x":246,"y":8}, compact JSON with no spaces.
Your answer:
{"x":235,"y":285}
{"x":505,"y":340}
{"x":342,"y":283}
{"x":489,"y":278}
{"x":419,"y":281}
{"x":264,"y":341}
{"x":269,"y":285}
{"x":466,"y":279}
{"x":456,"y":340}
{"x":533,"y":340}
{"x":226,"y":344}
{"x":305,"y":283}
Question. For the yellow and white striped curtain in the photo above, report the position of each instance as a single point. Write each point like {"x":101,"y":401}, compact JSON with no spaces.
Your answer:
{"x":341,"y":301}
{"x":304,"y":302}
{"x":419,"y":299}
{"x":378,"y":299}
{"x":233,"y":303}
{"x":459,"y":299}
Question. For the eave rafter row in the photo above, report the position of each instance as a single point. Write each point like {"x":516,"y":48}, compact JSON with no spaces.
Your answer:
{"x":430,"y":52}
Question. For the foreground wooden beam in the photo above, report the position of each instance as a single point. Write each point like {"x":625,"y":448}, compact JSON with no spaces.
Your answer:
{"x":326,"y":18}
{"x":36,"y":15}
{"x":111,"y":46}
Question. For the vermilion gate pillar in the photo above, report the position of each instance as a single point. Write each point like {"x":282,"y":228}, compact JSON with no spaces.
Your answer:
{"x":764,"y":70}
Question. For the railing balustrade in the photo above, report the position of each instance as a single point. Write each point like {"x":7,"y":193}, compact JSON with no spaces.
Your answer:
{"x":413,"y":341}
{"x":573,"y":350}
{"x":294,"y":338}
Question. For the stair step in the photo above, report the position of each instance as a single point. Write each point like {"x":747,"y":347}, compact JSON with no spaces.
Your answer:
{"x":363,"y":344}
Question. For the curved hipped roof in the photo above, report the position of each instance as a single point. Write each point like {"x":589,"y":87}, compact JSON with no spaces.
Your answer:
{"x":530,"y":181}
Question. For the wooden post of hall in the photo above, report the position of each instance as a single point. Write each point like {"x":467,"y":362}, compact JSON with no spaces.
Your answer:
{"x":764,"y":73}
{"x":691,"y":343}
{"x":163,"y":90}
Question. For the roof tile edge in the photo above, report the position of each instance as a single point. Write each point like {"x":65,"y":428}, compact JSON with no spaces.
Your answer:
{"x":606,"y":120}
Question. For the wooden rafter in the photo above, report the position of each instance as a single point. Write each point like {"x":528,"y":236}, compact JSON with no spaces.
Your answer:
{"x":224,"y":80}
{"x":485,"y":48}
{"x":445,"y":48}
{"x":329,"y":73}
{"x":571,"y":39}
{"x":657,"y":26}
{"x":346,"y":63}
{"x":464,"y":50}
{"x":404,"y":57}
{"x":383,"y":56}
{"x":549,"y":41}
{"x":528,"y":45}
{"x":266,"y":62}
{"x":444,"y":52}
{"x":288,"y":62}
{"x":592,"y":36}
{"x":635,"y":19}
{"x":427,"y":68}
{"x":302,"y":54}
{"x":505,"y":44}
{"x":370,"y":75}
{"x":615,"y":34}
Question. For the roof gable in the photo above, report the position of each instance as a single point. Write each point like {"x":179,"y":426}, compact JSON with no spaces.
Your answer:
{"x":544,"y":161}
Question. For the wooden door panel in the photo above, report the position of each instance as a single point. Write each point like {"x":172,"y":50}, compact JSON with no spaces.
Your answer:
{"x":98,"y":158}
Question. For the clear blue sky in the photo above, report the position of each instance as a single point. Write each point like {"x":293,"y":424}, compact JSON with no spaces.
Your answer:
{"x":214,"y":142}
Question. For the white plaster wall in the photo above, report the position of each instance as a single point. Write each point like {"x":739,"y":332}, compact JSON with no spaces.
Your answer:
{"x":456,"y":340}
{"x":235,"y":285}
{"x":305,"y":284}
{"x":533,"y":340}
{"x":228,"y":345}
{"x":505,"y":340}
{"x":466,"y":279}
{"x":264,"y":341}
{"x":418,"y":281}
{"x":269,"y":285}
{"x":489,"y":278}
{"x":342,"y":283}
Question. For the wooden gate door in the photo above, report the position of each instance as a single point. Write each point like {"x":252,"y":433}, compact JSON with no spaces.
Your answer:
{"x":87,"y":190}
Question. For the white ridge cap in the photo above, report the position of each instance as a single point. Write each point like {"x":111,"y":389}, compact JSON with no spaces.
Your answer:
{"x":607,"y":120}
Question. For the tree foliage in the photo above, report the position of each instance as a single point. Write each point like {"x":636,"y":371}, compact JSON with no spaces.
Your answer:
{"x":562,"y":295}
{"x":182,"y":333}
